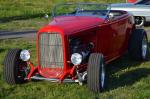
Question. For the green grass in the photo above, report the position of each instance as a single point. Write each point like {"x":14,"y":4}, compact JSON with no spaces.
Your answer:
{"x":126,"y":80}
{"x":29,"y":24}
{"x":24,"y":14}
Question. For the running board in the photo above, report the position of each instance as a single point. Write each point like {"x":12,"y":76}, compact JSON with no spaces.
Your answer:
{"x":54,"y":80}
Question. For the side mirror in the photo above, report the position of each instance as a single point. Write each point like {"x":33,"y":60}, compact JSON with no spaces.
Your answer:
{"x":111,"y":16}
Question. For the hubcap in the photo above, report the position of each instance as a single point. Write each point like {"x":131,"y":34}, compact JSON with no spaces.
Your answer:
{"x":139,"y":21}
{"x":102,"y":76}
{"x":144,"y":47}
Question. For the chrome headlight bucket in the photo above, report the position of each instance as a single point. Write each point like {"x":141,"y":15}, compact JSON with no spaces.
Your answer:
{"x":25,"y":55}
{"x":76,"y":58}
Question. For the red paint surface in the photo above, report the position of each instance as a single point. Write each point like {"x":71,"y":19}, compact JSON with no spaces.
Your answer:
{"x":72,"y":24}
{"x":51,"y":72}
{"x":109,"y":37}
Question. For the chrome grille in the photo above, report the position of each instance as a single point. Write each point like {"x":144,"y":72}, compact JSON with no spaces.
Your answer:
{"x":51,"y":50}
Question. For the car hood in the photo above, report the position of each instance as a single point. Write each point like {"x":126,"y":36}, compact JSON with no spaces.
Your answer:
{"x":73,"y":24}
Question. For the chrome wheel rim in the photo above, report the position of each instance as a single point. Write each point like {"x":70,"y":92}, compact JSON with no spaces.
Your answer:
{"x":139,"y":21}
{"x":144,"y":47}
{"x":102,"y":76}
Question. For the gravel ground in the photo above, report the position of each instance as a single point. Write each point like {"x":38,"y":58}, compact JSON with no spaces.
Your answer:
{"x":17,"y":34}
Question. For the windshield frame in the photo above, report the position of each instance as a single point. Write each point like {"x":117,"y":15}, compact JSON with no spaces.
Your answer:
{"x":78,"y":7}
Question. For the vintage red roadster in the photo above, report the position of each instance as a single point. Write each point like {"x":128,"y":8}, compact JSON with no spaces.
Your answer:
{"x":77,"y":44}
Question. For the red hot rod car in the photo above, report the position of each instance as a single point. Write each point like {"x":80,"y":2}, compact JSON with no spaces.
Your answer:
{"x":76,"y":45}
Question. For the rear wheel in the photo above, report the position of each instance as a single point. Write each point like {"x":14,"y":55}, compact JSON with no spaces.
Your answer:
{"x":138,"y":45}
{"x":139,"y":21}
{"x":96,"y":72}
{"x":14,"y":67}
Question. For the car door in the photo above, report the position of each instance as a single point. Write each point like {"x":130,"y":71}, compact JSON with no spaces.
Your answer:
{"x":119,"y":25}
{"x":111,"y":37}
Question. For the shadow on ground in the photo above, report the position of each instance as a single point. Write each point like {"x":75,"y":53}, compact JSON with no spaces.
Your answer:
{"x":1,"y":49}
{"x":126,"y":78}
{"x":147,"y":24}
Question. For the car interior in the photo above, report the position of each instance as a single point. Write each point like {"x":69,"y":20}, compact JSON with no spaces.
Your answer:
{"x":101,"y":13}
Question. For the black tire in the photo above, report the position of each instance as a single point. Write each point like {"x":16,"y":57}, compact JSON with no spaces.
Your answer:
{"x":136,"y":43}
{"x":94,"y":72}
{"x":12,"y":63}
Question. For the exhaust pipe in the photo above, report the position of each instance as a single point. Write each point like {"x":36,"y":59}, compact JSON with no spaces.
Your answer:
{"x":54,"y":79}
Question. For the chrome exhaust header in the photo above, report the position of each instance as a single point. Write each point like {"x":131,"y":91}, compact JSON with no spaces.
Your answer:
{"x":54,"y":79}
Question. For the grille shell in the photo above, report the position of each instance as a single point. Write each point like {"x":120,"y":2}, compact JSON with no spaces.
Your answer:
{"x":51,"y":50}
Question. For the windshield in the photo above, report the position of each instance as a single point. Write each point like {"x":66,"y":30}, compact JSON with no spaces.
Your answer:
{"x":82,"y":9}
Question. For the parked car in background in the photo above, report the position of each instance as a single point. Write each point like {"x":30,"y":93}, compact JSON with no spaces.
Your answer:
{"x":77,"y":44}
{"x":132,"y":1}
{"x":140,"y":10}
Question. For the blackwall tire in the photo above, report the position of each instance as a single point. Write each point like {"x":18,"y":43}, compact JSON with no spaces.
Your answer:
{"x":96,"y":73}
{"x":138,"y":45}
{"x":12,"y":63}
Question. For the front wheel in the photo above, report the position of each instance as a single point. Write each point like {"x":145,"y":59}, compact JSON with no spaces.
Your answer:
{"x":96,"y":72}
{"x":14,"y":68}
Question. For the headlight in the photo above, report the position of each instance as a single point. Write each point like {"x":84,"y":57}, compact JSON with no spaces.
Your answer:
{"x":76,"y":58}
{"x":25,"y":55}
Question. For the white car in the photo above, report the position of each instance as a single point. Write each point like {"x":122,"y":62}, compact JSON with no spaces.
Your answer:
{"x":140,"y":10}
